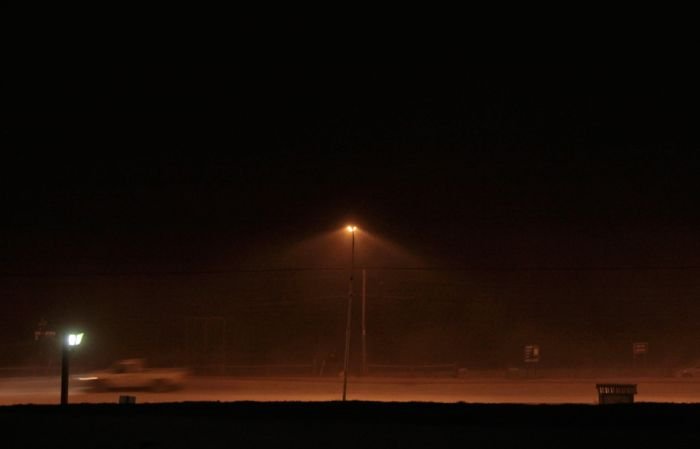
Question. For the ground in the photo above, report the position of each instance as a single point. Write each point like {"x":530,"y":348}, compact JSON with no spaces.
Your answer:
{"x":382,"y":412}
{"x":349,"y":424}
{"x":45,"y":390}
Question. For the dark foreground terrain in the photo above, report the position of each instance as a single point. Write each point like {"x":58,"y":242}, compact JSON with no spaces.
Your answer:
{"x":352,"y":424}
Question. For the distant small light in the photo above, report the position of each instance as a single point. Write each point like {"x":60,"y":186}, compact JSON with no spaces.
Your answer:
{"x":351,"y":228}
{"x":88,"y":378}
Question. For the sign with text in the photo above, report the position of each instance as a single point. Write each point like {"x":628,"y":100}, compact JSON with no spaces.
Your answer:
{"x":640,"y":348}
{"x":532,"y":353}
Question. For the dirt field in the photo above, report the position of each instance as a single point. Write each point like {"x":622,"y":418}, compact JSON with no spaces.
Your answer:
{"x":45,"y":390}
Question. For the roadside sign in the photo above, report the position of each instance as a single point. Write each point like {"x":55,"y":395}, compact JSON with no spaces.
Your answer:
{"x":640,"y":348}
{"x":39,"y":334}
{"x":532,"y":353}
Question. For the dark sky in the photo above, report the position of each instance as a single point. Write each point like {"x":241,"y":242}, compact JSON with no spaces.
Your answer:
{"x":118,"y":169}
{"x":547,"y":157}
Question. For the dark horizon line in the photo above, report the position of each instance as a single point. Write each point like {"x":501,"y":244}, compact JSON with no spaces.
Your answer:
{"x":327,"y":269}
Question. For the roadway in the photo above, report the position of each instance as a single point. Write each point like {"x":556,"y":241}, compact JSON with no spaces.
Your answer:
{"x":45,"y":390}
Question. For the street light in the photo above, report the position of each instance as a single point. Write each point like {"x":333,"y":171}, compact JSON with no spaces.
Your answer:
{"x":70,"y":342}
{"x":351,"y":229}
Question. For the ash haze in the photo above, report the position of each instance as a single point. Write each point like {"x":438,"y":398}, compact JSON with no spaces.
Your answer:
{"x":200,"y":220}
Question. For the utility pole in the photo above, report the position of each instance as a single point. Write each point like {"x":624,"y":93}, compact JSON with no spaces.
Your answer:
{"x":364,"y":328}
{"x":223,"y":348}
{"x":65,"y":370}
{"x":351,"y":229}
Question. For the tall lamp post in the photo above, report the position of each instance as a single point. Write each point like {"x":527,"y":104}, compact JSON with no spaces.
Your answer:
{"x":70,"y":342}
{"x":351,"y":230}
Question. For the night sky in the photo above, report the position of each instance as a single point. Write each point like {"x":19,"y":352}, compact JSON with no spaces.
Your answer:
{"x":557,"y":196}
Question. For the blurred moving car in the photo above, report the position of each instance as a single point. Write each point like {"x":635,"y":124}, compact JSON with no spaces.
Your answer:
{"x":132,"y":374}
{"x":691,"y":371}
